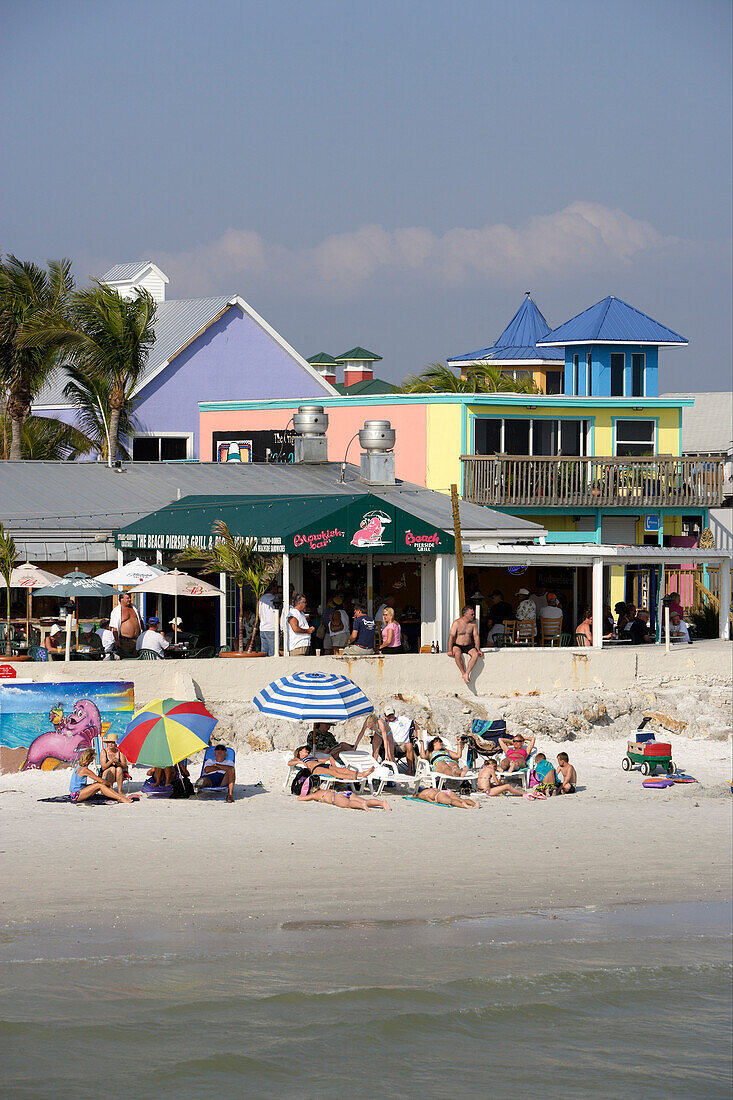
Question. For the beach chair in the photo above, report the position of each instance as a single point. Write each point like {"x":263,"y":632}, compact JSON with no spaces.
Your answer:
{"x":385,"y":772}
{"x":426,"y":774}
{"x":489,"y":732}
{"x":520,"y":774}
{"x":293,"y":770}
{"x":209,"y":759}
{"x":97,"y":746}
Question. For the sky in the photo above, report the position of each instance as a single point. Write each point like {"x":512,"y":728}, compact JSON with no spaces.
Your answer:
{"x":393,"y":174}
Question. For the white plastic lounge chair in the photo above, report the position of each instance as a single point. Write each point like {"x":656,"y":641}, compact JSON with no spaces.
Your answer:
{"x":327,"y":781}
{"x":425,"y":773}
{"x":385,"y":771}
{"x":209,"y":758}
{"x":521,"y":774}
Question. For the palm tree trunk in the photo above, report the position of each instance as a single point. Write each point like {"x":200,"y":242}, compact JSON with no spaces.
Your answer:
{"x":16,"y":428}
{"x":114,"y":426}
{"x":8,"y":647}
{"x":251,"y":645}
{"x":240,"y":647}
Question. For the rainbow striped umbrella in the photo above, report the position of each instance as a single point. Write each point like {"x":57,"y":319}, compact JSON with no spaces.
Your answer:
{"x":165,"y":731}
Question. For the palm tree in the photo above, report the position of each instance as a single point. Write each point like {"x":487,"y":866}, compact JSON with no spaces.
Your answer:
{"x":26,"y":291}
{"x":107,"y":338}
{"x":478,"y":378}
{"x":46,"y":439}
{"x":92,"y":398}
{"x":238,"y":559}
{"x":8,"y":558}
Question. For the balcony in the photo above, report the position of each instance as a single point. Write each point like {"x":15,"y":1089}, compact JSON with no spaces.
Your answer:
{"x":660,"y":482}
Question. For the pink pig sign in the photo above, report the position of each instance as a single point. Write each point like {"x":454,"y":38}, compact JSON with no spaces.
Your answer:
{"x":371,"y":529}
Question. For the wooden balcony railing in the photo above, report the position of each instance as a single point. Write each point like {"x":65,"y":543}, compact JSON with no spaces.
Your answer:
{"x":658,"y":482}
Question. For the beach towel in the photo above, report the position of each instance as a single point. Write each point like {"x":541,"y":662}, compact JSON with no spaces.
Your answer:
{"x":412,"y":798}
{"x":95,"y":800}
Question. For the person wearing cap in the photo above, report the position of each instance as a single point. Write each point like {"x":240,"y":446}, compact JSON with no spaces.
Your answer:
{"x":551,"y":613}
{"x":526,"y":610}
{"x":56,"y":641}
{"x":175,"y":634}
{"x":398,"y":734}
{"x":152,"y":639}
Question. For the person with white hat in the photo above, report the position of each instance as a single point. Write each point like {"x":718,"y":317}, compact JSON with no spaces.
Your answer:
{"x":175,"y":634}
{"x":527,"y":609}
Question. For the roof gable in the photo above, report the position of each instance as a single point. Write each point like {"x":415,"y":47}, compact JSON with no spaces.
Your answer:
{"x":360,"y":354}
{"x":132,"y":272}
{"x":612,"y":321}
{"x":518,"y":340}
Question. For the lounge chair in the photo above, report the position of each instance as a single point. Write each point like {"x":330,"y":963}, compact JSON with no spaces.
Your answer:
{"x":293,"y":769}
{"x":210,"y":759}
{"x":97,"y":746}
{"x":425,"y":773}
{"x":522,"y":774}
{"x":385,"y":772}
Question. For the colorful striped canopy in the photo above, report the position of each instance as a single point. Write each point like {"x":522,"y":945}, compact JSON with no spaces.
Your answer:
{"x":165,"y":731}
{"x":313,"y":697}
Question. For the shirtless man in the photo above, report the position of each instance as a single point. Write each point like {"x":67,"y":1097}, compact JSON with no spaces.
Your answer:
{"x":464,"y":639}
{"x":125,"y":625}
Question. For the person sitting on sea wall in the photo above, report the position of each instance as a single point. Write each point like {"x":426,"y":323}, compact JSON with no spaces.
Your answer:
{"x":319,"y":765}
{"x":84,"y":783}
{"x":218,"y":774}
{"x":347,"y":800}
{"x":443,"y":759}
{"x":567,"y":777}
{"x":515,"y":752}
{"x":463,"y":639}
{"x":361,"y":641}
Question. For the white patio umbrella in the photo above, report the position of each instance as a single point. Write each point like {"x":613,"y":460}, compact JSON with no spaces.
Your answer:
{"x":134,"y":572}
{"x":178,"y":584}
{"x":29,"y":576}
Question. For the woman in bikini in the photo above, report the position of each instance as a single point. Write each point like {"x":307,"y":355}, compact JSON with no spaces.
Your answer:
{"x":443,"y":760}
{"x":516,"y":752}
{"x":84,"y":782}
{"x":325,"y":766}
{"x":488,"y":781}
{"x":347,"y":800}
{"x":113,"y":764}
{"x":446,"y":798}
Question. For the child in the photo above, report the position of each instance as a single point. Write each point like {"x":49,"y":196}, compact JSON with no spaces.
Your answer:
{"x":567,"y":775}
{"x":545,"y":773}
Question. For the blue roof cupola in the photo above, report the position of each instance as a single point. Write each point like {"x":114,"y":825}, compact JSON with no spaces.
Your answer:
{"x":518,"y":342}
{"x":612,"y":321}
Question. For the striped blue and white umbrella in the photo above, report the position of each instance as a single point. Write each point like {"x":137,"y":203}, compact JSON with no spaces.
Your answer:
{"x":313,"y":697}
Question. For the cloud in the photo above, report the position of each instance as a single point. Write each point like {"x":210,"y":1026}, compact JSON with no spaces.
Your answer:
{"x":583,"y":236}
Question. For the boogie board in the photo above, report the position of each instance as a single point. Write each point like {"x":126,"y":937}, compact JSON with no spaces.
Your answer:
{"x":659,"y":783}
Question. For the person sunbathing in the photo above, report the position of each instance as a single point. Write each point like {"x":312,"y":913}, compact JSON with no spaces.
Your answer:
{"x":113,"y":764}
{"x":218,"y":774}
{"x":320,"y":765}
{"x":446,"y":798}
{"x":347,"y":800}
{"x":516,"y":752}
{"x":85,"y":783}
{"x":444,"y":760}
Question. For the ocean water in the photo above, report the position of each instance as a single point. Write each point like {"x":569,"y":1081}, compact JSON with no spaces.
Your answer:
{"x":634,"y":1002}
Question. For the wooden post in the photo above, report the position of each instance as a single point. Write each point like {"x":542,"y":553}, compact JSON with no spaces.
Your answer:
{"x":459,"y":548}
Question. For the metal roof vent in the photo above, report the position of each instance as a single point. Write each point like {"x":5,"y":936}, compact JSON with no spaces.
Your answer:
{"x":377,"y":437}
{"x":309,"y":424}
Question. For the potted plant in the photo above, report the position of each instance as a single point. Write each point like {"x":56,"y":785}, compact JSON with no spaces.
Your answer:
{"x":8,"y":558}
{"x":237,"y":558}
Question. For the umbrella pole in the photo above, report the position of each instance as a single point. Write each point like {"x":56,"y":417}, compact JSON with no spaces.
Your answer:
{"x":28,"y":616}
{"x":175,"y":619}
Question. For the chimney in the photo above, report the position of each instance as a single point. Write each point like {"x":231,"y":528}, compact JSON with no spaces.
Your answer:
{"x":309,"y":424}
{"x":377,"y":438}
{"x":357,"y":372}
{"x":328,"y":374}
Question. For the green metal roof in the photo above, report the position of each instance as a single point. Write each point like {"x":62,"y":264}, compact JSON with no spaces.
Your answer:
{"x":322,"y":359}
{"x":358,"y":353}
{"x":368,"y":385}
{"x":333,"y":524}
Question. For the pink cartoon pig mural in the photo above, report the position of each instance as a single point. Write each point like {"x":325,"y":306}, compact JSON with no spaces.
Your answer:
{"x":371,"y":530}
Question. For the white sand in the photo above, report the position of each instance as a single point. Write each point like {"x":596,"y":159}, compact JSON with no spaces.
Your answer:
{"x":268,"y":858}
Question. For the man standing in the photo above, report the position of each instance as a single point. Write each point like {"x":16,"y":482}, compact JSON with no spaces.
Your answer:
{"x":266,"y":611}
{"x":299,"y":633}
{"x":124,"y":622}
{"x":153,"y":639}
{"x":463,"y":638}
{"x":361,"y":642}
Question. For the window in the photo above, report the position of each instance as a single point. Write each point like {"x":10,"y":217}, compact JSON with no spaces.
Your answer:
{"x":516,"y":437}
{"x":637,"y":375}
{"x":576,"y":373}
{"x":554,"y":382}
{"x":588,"y":374}
{"x":572,"y":437}
{"x":618,"y":366}
{"x":487,"y":437}
{"x":634,"y":438}
{"x":544,"y":437}
{"x":159,"y":448}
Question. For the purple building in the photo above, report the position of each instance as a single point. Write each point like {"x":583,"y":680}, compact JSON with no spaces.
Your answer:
{"x":206,"y":349}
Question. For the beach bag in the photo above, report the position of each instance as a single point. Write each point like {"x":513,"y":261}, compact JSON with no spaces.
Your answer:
{"x":181,"y":787}
{"x":533,"y":779}
{"x":304,"y":782}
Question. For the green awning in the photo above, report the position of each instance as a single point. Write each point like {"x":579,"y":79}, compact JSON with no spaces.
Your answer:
{"x":336,"y":524}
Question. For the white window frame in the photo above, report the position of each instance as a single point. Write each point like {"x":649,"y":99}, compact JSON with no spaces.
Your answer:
{"x":583,"y":421}
{"x":188,"y":436}
{"x":633,"y":419}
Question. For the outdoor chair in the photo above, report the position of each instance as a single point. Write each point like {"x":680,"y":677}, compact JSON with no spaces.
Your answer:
{"x":565,"y":639}
{"x":385,"y":772}
{"x":510,"y":629}
{"x":209,"y":758}
{"x":207,"y":651}
{"x":149,"y":655}
{"x":580,"y":639}
{"x":550,"y":633}
{"x":425,"y":773}
{"x":293,"y":769}
{"x":524,"y":634}
{"x":522,"y":774}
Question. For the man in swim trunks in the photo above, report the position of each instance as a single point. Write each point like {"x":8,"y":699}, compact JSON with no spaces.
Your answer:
{"x":124,"y":622}
{"x":218,"y":774}
{"x":464,"y":639}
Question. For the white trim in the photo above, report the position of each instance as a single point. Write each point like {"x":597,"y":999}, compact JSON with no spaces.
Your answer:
{"x":188,"y":436}
{"x":145,"y":267}
{"x":634,"y":419}
{"x":557,"y":364}
{"x":620,"y":343}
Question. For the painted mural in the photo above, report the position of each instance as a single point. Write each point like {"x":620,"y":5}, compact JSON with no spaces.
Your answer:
{"x":43,"y":726}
